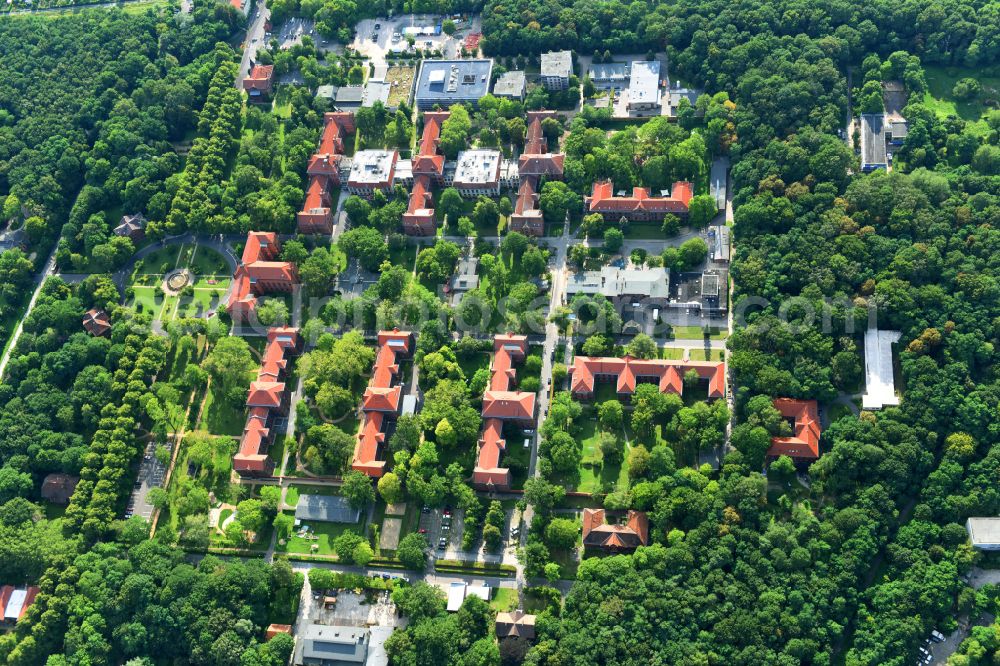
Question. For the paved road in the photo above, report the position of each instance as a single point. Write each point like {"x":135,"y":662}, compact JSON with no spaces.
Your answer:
{"x":254,"y":40}
{"x":50,"y":267}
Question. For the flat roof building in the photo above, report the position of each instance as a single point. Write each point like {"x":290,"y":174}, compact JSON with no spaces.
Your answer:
{"x":511,"y":85}
{"x":556,"y":68}
{"x":609,"y":74}
{"x":477,"y":172}
{"x":614,"y":282}
{"x":984,"y":533}
{"x":873,"y":151}
{"x":372,"y":170}
{"x":880,"y":386}
{"x":446,"y":82}
{"x":376,"y":90}
{"x":332,"y":646}
{"x":644,"y":85}
{"x":349,"y":98}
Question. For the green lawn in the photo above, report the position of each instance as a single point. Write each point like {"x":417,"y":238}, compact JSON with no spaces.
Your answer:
{"x":671,"y":353}
{"x":594,"y":473}
{"x":221,"y":418}
{"x":941,"y":81}
{"x":326,"y":533}
{"x":710,"y":355}
{"x":504,"y":600}
{"x":644,"y":231}
{"x":697,"y":333}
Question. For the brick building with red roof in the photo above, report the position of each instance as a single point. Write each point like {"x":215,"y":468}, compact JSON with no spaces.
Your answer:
{"x":641,"y":205}
{"x":96,"y":322}
{"x":258,"y":274}
{"x":628,"y":372}
{"x":267,"y":401}
{"x":316,"y":216}
{"x":381,"y":402}
{"x":536,"y":161}
{"x":616,"y":538}
{"x":803,"y":444}
{"x":501,"y":404}
{"x":428,"y":170}
{"x":258,"y":83}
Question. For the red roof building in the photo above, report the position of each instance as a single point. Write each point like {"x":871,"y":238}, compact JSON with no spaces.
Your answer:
{"x":527,"y":218}
{"x":259,"y":274}
{"x":316,"y":216}
{"x":258,"y":83}
{"x":627,"y":372}
{"x":641,"y":205}
{"x":536,"y":161}
{"x":615,"y":538}
{"x":501,"y":404}
{"x":381,"y":401}
{"x":803,"y":445}
{"x":428,"y":169}
{"x":268,"y":400}
{"x":15,"y":602}
{"x":275,"y":629}
{"x":96,"y":322}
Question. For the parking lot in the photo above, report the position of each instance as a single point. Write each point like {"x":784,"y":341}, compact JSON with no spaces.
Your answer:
{"x":390,"y":36}
{"x":447,"y":525}
{"x":151,"y":475}
{"x":295,"y":29}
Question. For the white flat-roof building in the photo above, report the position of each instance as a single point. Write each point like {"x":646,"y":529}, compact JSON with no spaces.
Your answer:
{"x":477,"y":172}
{"x":456,"y":595}
{"x":510,"y":85}
{"x":556,"y":68}
{"x":880,"y":386}
{"x":984,"y":533}
{"x":644,"y":85}
{"x":372,"y":170}
{"x":615,"y":282}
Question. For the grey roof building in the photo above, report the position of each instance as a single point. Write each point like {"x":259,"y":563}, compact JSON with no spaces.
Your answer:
{"x":608,"y":74}
{"x":326,"y":508}
{"x":349,"y":98}
{"x":511,"y":85}
{"x":556,"y":68}
{"x":447,"y":82}
{"x":873,"y":152}
{"x":327,"y":92}
{"x":332,"y":646}
{"x":376,"y":90}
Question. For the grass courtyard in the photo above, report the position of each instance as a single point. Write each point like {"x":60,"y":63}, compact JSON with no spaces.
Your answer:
{"x":940,"y":99}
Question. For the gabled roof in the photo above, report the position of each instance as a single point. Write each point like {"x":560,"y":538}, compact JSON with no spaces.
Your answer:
{"x":266,"y":394}
{"x":428,"y":160}
{"x":518,"y":405}
{"x":598,"y":534}
{"x":96,"y":322}
{"x":515,"y":625}
{"x":804,"y":441}
{"x":627,"y":371}
{"x":603,"y":200}
{"x":381,"y":397}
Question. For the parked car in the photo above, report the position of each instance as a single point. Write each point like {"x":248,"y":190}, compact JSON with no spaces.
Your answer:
{"x":937,"y":636}
{"x":442,"y":543}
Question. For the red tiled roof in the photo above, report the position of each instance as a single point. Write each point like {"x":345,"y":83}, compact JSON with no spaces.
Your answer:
{"x":380,"y":398}
{"x":419,"y":215}
{"x":499,"y":403}
{"x":96,"y":322}
{"x":428,"y":161}
{"x":259,"y":274}
{"x":275,"y":629}
{"x":597,"y":533}
{"x":804,"y":442}
{"x":266,"y":394}
{"x":259,"y":77}
{"x":536,"y":160}
{"x":517,"y":405}
{"x":603,"y":200}
{"x":627,"y":372}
